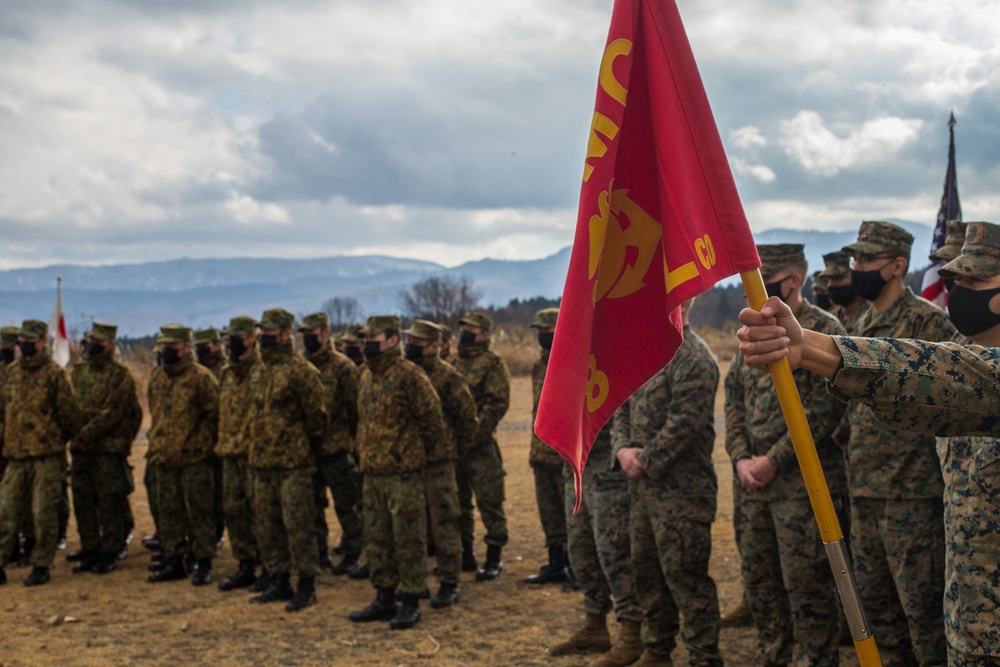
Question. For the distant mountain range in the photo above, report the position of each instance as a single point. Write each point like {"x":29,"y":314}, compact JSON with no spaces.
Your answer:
{"x":208,"y":292}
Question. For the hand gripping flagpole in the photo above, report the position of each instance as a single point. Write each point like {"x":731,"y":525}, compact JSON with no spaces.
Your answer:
{"x":819,"y":492}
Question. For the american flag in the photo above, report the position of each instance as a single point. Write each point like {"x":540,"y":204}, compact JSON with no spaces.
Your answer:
{"x":932,"y":288}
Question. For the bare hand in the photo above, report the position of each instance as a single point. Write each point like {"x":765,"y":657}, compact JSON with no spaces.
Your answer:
{"x":763,"y":470}
{"x":770,"y":335}
{"x":628,"y":457}
{"x":744,"y":470}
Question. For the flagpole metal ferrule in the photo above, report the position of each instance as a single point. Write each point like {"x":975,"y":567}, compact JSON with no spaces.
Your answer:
{"x":843,"y":576}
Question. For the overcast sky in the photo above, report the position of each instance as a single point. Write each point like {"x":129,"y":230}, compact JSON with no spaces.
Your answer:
{"x":452,"y":130}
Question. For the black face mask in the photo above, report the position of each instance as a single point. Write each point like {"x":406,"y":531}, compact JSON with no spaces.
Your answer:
{"x":823,"y":301}
{"x":774,"y":289}
{"x":311,"y":343}
{"x":354,"y":353}
{"x":28,"y":349}
{"x":969,"y":310}
{"x":236,"y":348}
{"x":466,"y":338}
{"x":268,"y":341}
{"x":202,"y":351}
{"x":7,"y":356}
{"x":413,"y":351}
{"x":94,"y":349}
{"x":372,"y":349}
{"x":868,"y":284}
{"x":545,"y":339}
{"x":842,"y":294}
{"x":949,"y":284}
{"x":171,"y":355}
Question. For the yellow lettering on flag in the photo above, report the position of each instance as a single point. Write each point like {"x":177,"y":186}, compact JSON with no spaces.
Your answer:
{"x":601,"y":124}
{"x":596,"y":381}
{"x":610,"y":244}
{"x":596,"y":148}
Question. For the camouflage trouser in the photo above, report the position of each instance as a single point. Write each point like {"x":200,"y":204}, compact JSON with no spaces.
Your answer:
{"x":33,"y":487}
{"x":100,"y":499}
{"x":149,"y":480}
{"x":481,"y":472}
{"x":64,"y":497}
{"x":442,"y":509}
{"x":670,"y":554}
{"x":599,"y":546}
{"x":549,"y":494}
{"x":396,"y":531}
{"x":898,"y":548}
{"x":218,"y":508}
{"x":958,"y":659}
{"x":237,"y":504}
{"x":789,"y":585}
{"x":284,"y":518}
{"x":340,"y":474}
{"x":186,"y":499}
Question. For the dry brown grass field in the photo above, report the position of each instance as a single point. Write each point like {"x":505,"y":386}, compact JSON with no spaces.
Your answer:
{"x":120,"y":619}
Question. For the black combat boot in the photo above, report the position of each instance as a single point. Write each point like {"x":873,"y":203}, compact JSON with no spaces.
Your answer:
{"x":3,"y":577}
{"x":469,"y":563}
{"x":263,"y":581}
{"x":382,"y":608}
{"x":345,"y":565}
{"x":38,"y":576}
{"x":305,"y":596}
{"x":88,"y":559}
{"x":172,"y":571}
{"x":446,"y":596}
{"x":151,"y":542}
{"x":157,"y":561}
{"x":278,"y":590}
{"x":74,"y":556}
{"x":27,"y":546}
{"x":493,"y":566}
{"x":409,"y":613}
{"x":244,"y":577}
{"x":553,"y":572}
{"x":106,"y":562}
{"x":203,"y":573}
{"x":359,"y":571}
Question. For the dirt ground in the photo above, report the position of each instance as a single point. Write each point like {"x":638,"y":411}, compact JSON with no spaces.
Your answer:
{"x":119,"y":619}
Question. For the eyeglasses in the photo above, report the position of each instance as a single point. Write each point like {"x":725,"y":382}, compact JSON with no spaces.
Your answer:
{"x":864,"y":260}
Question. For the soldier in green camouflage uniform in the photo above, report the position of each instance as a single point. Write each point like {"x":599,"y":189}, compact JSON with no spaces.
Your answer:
{"x":243,"y":370}
{"x":184,"y":425}
{"x":547,"y":467}
{"x":208,"y":350}
{"x":897,"y":529}
{"x":112,"y":415}
{"x":663,"y":438}
{"x":400,"y":419}
{"x":149,"y":478}
{"x":287,"y":424}
{"x":38,"y":415}
{"x":460,"y":422}
{"x":448,"y":352}
{"x":848,"y":306}
{"x":8,"y":350}
{"x":787,"y":577}
{"x":336,"y":467}
{"x":480,"y":470}
{"x":353,"y":345}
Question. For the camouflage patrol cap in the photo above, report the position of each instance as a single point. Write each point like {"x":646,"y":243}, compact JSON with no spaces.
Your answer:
{"x":546,"y":318}
{"x":206,"y":335}
{"x":241,"y":326}
{"x":952,"y":247}
{"x":876,"y":236}
{"x":447,"y":335}
{"x":478,"y":319}
{"x":315,"y":321}
{"x":836,"y":265}
{"x":775,"y":257}
{"x":820,"y":283}
{"x":175,"y":333}
{"x":158,"y":343}
{"x":376,"y":324}
{"x":980,"y":256}
{"x":352,"y":334}
{"x":425,"y":330}
{"x":8,"y":336}
{"x":102,"y":331}
{"x":277,"y":318}
{"x":33,"y":329}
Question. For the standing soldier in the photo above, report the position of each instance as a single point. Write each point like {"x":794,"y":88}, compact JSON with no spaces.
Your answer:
{"x":336,"y":468}
{"x":848,"y":306}
{"x":952,"y":248}
{"x":288,"y":424}
{"x":208,"y":350}
{"x":447,"y":348}
{"x":353,"y":344}
{"x":789,"y":585}
{"x":821,"y":291}
{"x":480,"y":470}
{"x":547,"y":466}
{"x":184,"y":411}
{"x":111,"y":416}
{"x":459,"y":408}
{"x":8,"y":348}
{"x":243,"y":370}
{"x":38,"y":415}
{"x":399,"y":420}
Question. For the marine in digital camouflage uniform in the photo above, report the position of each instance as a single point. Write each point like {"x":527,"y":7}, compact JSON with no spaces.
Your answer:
{"x":336,"y":467}
{"x":208,"y":350}
{"x":184,"y":426}
{"x":952,"y":248}
{"x":480,"y":470}
{"x":663,"y":438}
{"x":235,"y":405}
{"x":459,"y":410}
{"x":288,"y":423}
{"x":399,"y":420}
{"x":897,"y":527}
{"x":39,"y":414}
{"x":848,"y":305}
{"x":785,"y":571}
{"x":821,"y":291}
{"x":111,"y":416}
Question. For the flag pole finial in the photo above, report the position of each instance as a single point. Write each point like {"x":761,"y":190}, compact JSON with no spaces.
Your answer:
{"x":951,"y":119}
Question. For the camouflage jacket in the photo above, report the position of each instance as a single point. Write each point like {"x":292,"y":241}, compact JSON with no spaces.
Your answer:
{"x":288,"y":417}
{"x":883,"y":462}
{"x":755,"y":425}
{"x":399,"y":416}
{"x":850,"y":322}
{"x":236,"y":405}
{"x":457,"y":406}
{"x":184,"y":411}
{"x":340,"y":377}
{"x":672,"y":419}
{"x":540,"y":454}
{"x":489,"y":381}
{"x":38,"y":409}
{"x":216,"y":362}
{"x":109,"y":404}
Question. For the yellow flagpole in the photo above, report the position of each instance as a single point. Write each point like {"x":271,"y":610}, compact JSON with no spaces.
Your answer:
{"x":819,"y":492}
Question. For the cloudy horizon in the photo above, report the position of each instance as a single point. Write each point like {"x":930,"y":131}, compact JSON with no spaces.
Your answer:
{"x":453,"y":131}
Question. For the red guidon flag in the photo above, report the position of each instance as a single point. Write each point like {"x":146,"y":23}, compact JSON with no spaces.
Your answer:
{"x":659,"y":222}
